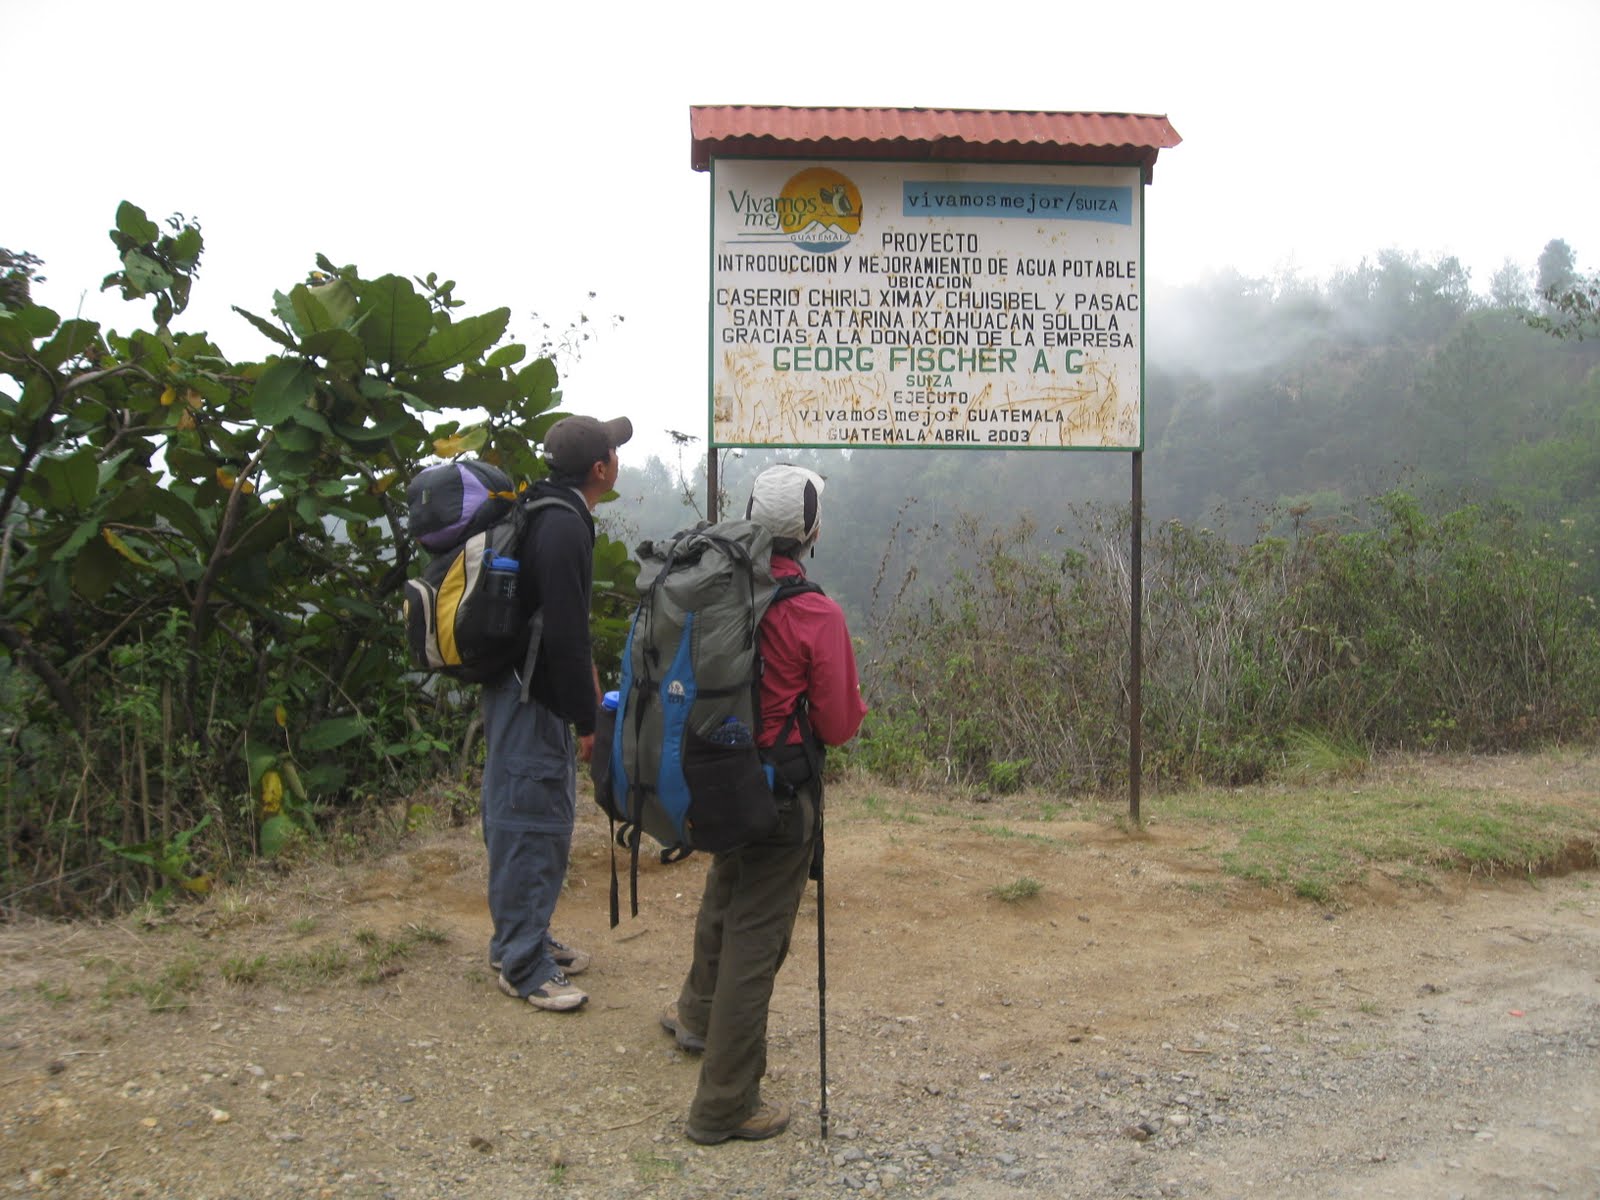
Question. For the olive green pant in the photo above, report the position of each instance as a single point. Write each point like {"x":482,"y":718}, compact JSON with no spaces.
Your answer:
{"x":741,"y":938}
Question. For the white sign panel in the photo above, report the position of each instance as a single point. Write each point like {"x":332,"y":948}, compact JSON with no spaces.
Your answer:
{"x":937,"y":305}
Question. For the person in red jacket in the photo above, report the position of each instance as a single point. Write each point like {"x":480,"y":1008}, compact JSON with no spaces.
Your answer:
{"x":810,"y":699}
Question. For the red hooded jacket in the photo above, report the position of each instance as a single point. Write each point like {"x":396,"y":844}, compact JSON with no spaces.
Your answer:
{"x":806,"y":651}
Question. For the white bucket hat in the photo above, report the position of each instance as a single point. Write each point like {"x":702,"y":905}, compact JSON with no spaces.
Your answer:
{"x":786,"y":501}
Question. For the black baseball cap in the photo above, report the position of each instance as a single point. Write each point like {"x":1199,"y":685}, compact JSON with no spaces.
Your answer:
{"x":574,"y":444}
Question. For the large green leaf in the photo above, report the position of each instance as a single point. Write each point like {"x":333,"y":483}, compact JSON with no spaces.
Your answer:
{"x":169,"y":505}
{"x":339,"y":300}
{"x":288,"y":467}
{"x":187,"y":246}
{"x":66,"y":549}
{"x":278,"y":831}
{"x":70,"y":482}
{"x":295,"y":437}
{"x":269,"y":527}
{"x":267,"y":328}
{"x":144,"y":274}
{"x":397,"y":320}
{"x":283,"y":388}
{"x":190,"y":464}
{"x":19,"y":328}
{"x":494,"y":396}
{"x":538,"y":382}
{"x":336,"y":732}
{"x":310,"y":418}
{"x":453,"y":345}
{"x":375,"y":434}
{"x":507,"y":356}
{"x":95,"y":569}
{"x":314,"y":315}
{"x":339,"y":346}
{"x":71,"y":340}
{"x":132,"y":223}
{"x":283,"y":309}
{"x":260,"y":759}
{"x":107,"y":470}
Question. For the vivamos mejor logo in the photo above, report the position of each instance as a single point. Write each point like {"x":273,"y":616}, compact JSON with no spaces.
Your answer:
{"x":818,"y":209}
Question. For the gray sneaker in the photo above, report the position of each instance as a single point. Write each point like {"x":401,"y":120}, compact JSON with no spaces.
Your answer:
{"x":553,"y":995}
{"x":570,"y":959}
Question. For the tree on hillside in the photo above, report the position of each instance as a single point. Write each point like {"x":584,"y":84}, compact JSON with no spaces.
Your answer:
{"x":1557,"y":268}
{"x":1508,"y":288}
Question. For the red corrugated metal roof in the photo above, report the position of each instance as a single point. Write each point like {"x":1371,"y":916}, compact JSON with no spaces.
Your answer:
{"x":949,"y":134}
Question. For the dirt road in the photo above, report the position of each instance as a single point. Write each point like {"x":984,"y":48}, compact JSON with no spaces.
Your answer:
{"x":1143,"y":1026}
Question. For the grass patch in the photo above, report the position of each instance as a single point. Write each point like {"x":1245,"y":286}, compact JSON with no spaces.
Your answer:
{"x":165,"y":991}
{"x":875,"y":806}
{"x":1317,"y":841}
{"x":53,"y":993}
{"x":239,"y":969}
{"x":1017,"y":890}
{"x":311,"y":968}
{"x":654,"y":1168}
{"x":1309,"y":755}
{"x":1005,"y":831}
{"x":382,"y":955}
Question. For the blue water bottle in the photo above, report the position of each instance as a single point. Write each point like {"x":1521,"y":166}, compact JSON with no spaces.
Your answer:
{"x":732,"y":732}
{"x":501,"y":592}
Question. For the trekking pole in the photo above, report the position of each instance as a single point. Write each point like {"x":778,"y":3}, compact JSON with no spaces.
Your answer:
{"x":822,"y":978}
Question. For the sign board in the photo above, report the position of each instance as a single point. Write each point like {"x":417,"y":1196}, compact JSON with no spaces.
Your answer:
{"x":935,"y":305}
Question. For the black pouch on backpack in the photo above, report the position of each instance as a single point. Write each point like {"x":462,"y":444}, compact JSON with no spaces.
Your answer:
{"x":789,"y":771}
{"x":730,"y":804}
{"x":605,"y":730}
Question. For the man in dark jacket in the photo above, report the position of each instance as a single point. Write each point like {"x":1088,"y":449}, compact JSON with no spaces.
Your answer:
{"x":529,"y":775}
{"x":752,"y":894}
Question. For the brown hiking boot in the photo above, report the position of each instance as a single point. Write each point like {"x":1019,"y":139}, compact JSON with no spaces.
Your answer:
{"x":769,"y":1120}
{"x":688,"y":1042}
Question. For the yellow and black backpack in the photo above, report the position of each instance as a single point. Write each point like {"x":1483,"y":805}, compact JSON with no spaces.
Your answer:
{"x":463,"y":616}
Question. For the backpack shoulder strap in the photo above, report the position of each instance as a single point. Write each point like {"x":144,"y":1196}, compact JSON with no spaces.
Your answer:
{"x":529,"y":509}
{"x":795,"y":587}
{"x":787,"y":589}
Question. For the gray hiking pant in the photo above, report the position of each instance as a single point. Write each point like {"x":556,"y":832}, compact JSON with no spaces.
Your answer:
{"x":530,"y":789}
{"x":741,"y":938}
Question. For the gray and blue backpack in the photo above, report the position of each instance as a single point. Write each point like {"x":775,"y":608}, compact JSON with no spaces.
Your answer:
{"x":682,"y":764}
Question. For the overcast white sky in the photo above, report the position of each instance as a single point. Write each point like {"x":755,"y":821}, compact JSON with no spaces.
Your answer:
{"x":536,"y":153}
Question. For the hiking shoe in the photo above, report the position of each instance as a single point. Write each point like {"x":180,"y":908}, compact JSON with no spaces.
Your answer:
{"x":770,"y":1119}
{"x":553,"y":995}
{"x":570,"y":959}
{"x":688,"y":1042}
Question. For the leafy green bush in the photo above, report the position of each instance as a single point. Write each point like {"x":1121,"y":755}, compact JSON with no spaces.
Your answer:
{"x":1298,"y":652}
{"x":203,"y":561}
